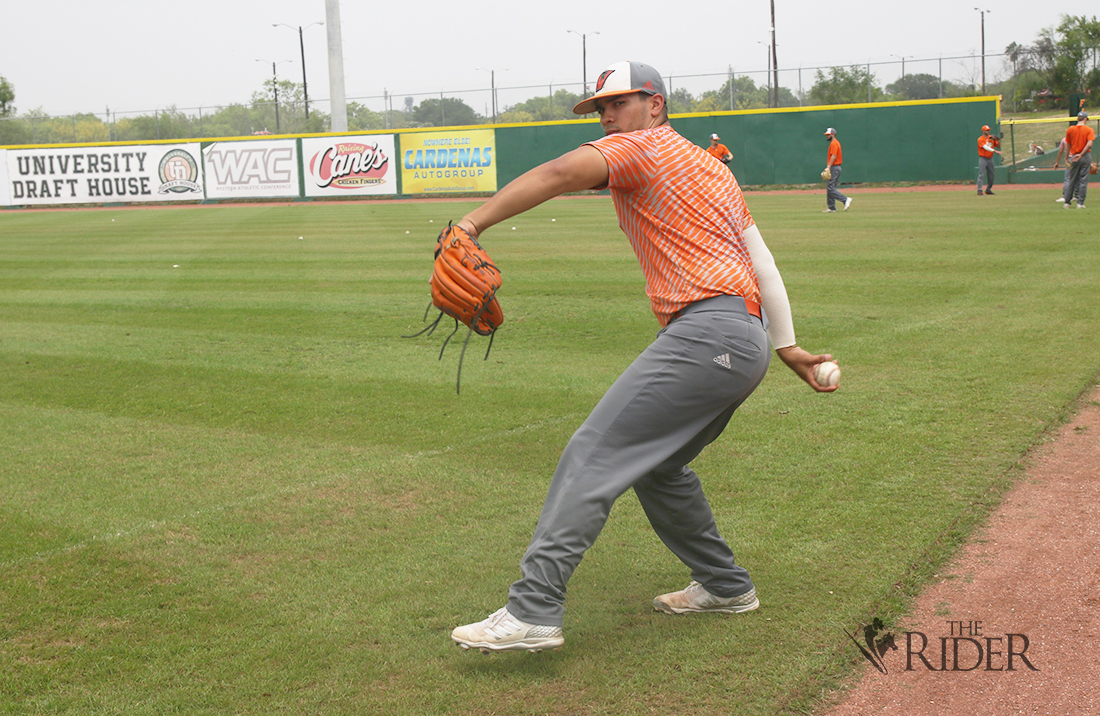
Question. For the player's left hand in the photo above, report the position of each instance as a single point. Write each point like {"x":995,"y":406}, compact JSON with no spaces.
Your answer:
{"x":802,"y":362}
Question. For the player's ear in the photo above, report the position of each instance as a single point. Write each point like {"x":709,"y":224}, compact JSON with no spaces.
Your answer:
{"x":657,"y":105}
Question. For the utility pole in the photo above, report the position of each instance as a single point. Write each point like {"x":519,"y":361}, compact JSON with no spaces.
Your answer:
{"x":775,"y":62}
{"x":584,"y":60}
{"x":983,"y":12}
{"x":302,"y":47}
{"x":275,"y":87}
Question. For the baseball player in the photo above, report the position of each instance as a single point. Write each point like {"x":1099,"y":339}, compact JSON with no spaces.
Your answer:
{"x":718,"y":150}
{"x":1063,"y":151}
{"x":987,"y":147}
{"x":1079,"y":139}
{"x":713,"y":287}
{"x":833,"y":160}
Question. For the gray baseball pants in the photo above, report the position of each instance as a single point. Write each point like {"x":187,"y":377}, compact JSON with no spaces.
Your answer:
{"x":832,"y":193}
{"x":985,"y":172}
{"x":673,"y":400}
{"x":1077,"y":183}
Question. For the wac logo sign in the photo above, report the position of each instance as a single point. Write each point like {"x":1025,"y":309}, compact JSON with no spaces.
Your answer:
{"x":965,"y":648}
{"x":251,"y":168}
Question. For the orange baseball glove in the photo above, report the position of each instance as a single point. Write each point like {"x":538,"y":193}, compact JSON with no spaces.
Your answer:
{"x":465,"y":281}
{"x":464,"y":285}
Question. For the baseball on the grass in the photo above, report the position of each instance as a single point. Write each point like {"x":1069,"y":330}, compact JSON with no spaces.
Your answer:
{"x":827,"y":374}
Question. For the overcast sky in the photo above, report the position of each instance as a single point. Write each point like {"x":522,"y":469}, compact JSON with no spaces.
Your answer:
{"x":66,"y":56}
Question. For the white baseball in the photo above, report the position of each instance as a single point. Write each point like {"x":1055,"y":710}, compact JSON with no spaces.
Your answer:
{"x":827,"y":374}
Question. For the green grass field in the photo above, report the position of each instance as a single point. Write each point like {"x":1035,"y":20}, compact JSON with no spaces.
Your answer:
{"x":229,"y":485}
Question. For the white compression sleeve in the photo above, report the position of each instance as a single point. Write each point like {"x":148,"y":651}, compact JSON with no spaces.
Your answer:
{"x":773,"y":294}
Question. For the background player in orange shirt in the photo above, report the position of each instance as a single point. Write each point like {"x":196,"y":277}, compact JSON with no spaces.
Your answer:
{"x":833,"y":161}
{"x":987,"y":147}
{"x":1079,"y":139}
{"x":713,"y":287}
{"x":718,"y":150}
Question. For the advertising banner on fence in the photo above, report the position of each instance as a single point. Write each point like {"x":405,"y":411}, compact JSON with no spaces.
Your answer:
{"x":99,"y":175}
{"x":5,"y":189}
{"x":448,"y":162}
{"x":249,"y":169}
{"x":349,"y":166}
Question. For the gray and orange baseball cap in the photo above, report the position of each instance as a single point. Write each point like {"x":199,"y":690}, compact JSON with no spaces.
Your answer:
{"x":623,"y":78}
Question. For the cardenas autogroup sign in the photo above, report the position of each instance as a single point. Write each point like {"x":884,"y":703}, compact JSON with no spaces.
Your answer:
{"x":448,"y":162}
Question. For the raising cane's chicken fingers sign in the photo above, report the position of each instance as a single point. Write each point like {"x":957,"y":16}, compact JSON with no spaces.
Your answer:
{"x":348,"y":166}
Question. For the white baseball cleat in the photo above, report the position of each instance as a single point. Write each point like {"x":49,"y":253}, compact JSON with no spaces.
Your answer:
{"x":1060,"y":200}
{"x":697,"y":599}
{"x":503,"y":632}
{"x":848,"y":202}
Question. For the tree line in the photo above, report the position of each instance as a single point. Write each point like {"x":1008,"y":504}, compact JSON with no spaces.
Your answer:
{"x":1061,"y":63}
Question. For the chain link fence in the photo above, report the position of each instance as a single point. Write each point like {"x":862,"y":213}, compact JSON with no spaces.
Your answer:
{"x":899,"y":78}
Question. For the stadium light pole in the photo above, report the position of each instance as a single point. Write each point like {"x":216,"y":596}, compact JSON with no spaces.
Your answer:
{"x":275,"y":86}
{"x":302,"y":46}
{"x":584,"y":60}
{"x":983,"y":12}
{"x":338,"y":118}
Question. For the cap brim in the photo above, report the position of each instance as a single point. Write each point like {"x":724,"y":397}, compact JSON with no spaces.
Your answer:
{"x":588,"y":106}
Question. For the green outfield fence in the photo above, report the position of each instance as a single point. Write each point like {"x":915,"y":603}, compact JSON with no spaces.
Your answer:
{"x":927,"y":140}
{"x":914,"y":141}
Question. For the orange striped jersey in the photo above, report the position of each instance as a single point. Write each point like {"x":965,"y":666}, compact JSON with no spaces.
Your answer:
{"x":684,"y":215}
{"x":835,"y":153}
